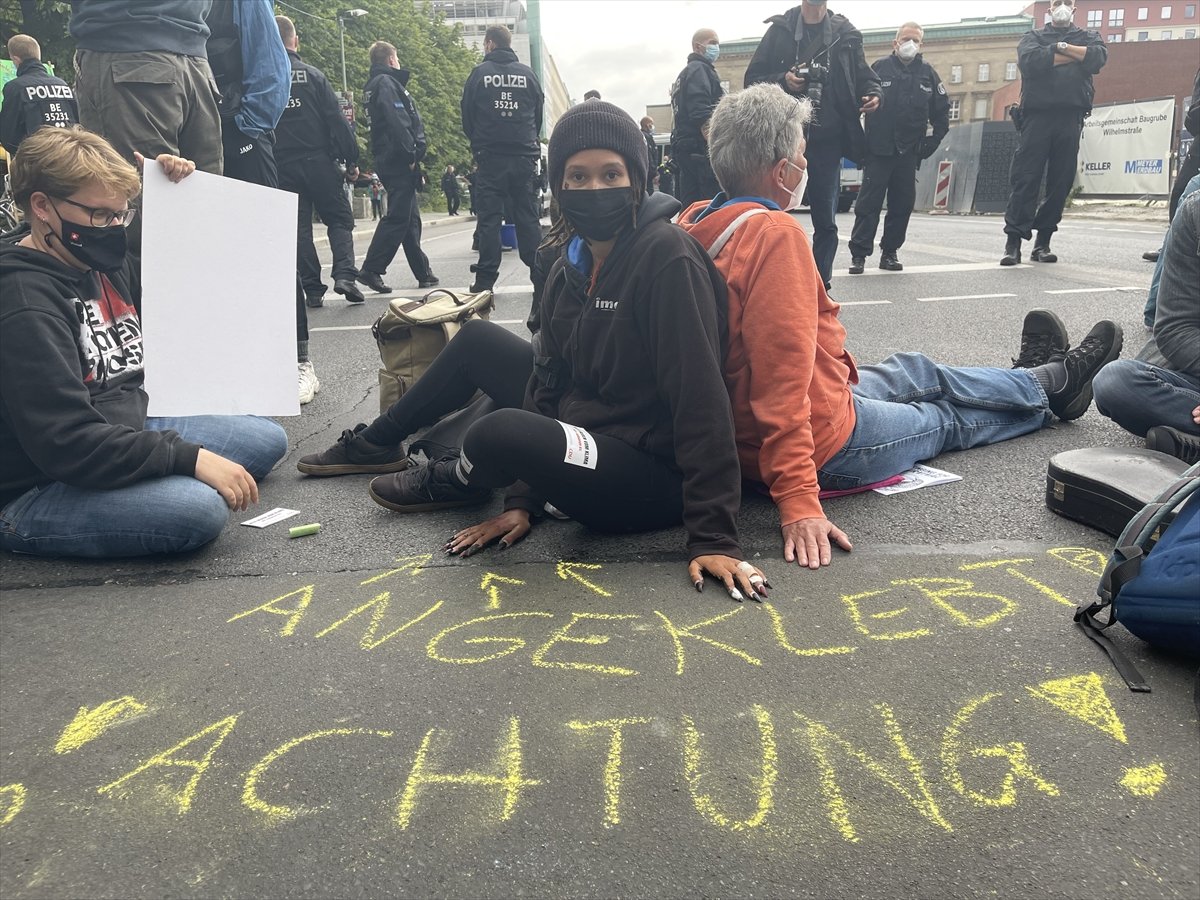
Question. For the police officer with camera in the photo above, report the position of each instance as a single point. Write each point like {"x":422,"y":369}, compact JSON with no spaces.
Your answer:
{"x":35,"y":98}
{"x":897,"y":142}
{"x":310,"y":139}
{"x":694,"y":96}
{"x":811,"y":52}
{"x":502,"y":117}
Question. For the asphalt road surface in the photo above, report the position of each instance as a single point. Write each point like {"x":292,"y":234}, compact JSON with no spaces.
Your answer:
{"x":354,"y":713}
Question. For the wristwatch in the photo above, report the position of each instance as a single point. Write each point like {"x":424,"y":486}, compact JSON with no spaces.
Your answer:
{"x":1062,"y":46}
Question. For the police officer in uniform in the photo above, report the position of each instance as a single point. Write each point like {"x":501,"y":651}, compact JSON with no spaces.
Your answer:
{"x":1057,"y":64}
{"x":897,"y":142}
{"x":311,"y":136}
{"x":694,"y":96}
{"x":398,"y":145}
{"x":34,"y":98}
{"x":502,"y":117}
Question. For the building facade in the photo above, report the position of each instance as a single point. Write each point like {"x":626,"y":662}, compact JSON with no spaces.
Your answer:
{"x":1122,"y":22}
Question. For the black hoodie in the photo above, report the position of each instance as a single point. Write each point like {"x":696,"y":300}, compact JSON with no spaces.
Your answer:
{"x":72,"y":407}
{"x":397,"y":134}
{"x":638,"y":358}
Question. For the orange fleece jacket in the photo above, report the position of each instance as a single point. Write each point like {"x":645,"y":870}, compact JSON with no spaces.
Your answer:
{"x":787,"y":368}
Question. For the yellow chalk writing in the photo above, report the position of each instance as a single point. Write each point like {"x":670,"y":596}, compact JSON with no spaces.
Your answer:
{"x":782,"y":637}
{"x":275,"y":812}
{"x":294,"y":613}
{"x":941,"y":590}
{"x":677,"y":633}
{"x":562,"y":637}
{"x":1143,"y":781}
{"x":12,"y":801}
{"x":167,"y":759}
{"x":412,"y":565}
{"x":510,"y":784}
{"x":567,"y":570}
{"x":1014,"y":753}
{"x":491,"y":584}
{"x":512,"y":644}
{"x":89,"y":724}
{"x":764,"y":782}
{"x":378,"y":607}
{"x":823,"y":740}
{"x":1009,"y":569}
{"x":856,"y":615}
{"x":1086,"y":560}
{"x":1083,"y":697}
{"x":612,"y":763}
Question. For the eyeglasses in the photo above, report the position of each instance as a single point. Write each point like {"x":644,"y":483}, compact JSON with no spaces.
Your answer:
{"x":103,"y":218}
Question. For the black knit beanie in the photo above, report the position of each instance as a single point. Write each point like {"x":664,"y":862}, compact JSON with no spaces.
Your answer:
{"x":595,"y":125}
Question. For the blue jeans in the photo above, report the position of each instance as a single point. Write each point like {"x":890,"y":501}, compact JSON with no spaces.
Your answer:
{"x":173,"y":514}
{"x":824,"y":158}
{"x":1152,"y":298}
{"x":909,"y":409}
{"x":1138,"y":396}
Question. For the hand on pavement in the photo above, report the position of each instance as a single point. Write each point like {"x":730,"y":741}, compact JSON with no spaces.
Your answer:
{"x":510,"y":526}
{"x":229,"y":479}
{"x":807,"y":541}
{"x":741,"y":579}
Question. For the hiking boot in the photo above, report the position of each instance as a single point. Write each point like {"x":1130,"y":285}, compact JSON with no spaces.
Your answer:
{"x":1174,"y":442}
{"x":430,"y":280}
{"x":434,"y":486}
{"x":349,"y":290}
{"x":857,"y":264}
{"x":889,"y":262}
{"x":1067,"y":379}
{"x":1041,"y":253}
{"x":374,"y":281}
{"x":353,"y":454}
{"x":1043,"y":337}
{"x":1012,"y":252}
{"x":308,"y":384}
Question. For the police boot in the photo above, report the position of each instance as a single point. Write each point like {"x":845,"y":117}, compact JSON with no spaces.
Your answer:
{"x":889,"y":262}
{"x":1041,"y":250}
{"x":857,"y":264}
{"x":1012,"y":252}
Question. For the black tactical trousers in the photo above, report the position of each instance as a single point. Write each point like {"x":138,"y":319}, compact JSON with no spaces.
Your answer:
{"x":505,"y":184}
{"x":401,"y":227}
{"x":896,"y":178}
{"x":696,"y":179}
{"x":320,"y":185}
{"x":1049,"y":144}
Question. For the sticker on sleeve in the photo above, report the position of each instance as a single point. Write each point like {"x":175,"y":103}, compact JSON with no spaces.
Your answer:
{"x":581,"y":447}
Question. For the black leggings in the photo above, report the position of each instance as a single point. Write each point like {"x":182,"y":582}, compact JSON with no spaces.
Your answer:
{"x":482,"y":357}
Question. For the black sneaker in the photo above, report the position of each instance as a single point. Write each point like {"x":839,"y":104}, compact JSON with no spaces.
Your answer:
{"x":353,"y":454}
{"x":888,"y":261}
{"x":435,"y":486}
{"x":1043,"y":336}
{"x":1174,"y":442}
{"x":1151,"y":256}
{"x":349,"y":290}
{"x":1071,"y":375}
{"x":374,"y":281}
{"x":1041,"y":253}
{"x":314,"y":301}
{"x":857,"y":264}
{"x":1012,"y":252}
{"x":430,"y":280}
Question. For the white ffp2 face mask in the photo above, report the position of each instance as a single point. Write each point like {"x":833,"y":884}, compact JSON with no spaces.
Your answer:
{"x":798,"y":193}
{"x":1061,"y":15}
{"x":908,"y":51}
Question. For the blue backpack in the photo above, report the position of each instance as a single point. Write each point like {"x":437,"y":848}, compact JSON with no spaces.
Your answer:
{"x":1152,"y":582}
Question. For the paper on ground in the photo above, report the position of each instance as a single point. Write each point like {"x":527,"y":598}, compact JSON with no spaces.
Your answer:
{"x":919,"y":477}
{"x":278,"y":514}
{"x":210,"y":350}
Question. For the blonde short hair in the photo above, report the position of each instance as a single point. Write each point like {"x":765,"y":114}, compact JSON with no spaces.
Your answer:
{"x":24,"y":46}
{"x":61,"y":161}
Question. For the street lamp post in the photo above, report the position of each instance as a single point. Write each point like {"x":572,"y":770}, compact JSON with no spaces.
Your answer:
{"x":342,"y":17}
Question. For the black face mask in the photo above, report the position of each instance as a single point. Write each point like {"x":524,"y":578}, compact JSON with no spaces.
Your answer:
{"x":103,"y":249}
{"x":598,"y":215}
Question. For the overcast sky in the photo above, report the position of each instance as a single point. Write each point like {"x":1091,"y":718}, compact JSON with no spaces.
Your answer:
{"x":631,"y":50}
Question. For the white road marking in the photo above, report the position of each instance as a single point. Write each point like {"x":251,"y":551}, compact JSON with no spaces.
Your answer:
{"x":1098,"y":290}
{"x":946,"y":267}
{"x":965,"y":297}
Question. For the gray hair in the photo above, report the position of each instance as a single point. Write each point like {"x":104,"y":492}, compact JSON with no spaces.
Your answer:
{"x":916,"y":25}
{"x":752,"y":130}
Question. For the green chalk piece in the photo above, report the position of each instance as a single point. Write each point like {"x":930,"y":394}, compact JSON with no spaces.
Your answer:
{"x":302,"y":530}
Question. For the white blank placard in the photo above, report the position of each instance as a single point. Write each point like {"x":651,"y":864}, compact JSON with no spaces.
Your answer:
{"x":218,"y":296}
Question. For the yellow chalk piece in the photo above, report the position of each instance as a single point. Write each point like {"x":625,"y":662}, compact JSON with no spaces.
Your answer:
{"x":1083,"y":558}
{"x":513,"y":644}
{"x":566,"y":570}
{"x":412,"y":565}
{"x":822,"y":741}
{"x":12,"y":801}
{"x":764,"y":781}
{"x":1084,"y":698}
{"x":491,"y":582}
{"x":1014,"y":752}
{"x":782,"y":637}
{"x":561,"y":637}
{"x":166,"y":759}
{"x":378,"y":606}
{"x":856,"y":616}
{"x":676,"y":632}
{"x":276,"y":813}
{"x":89,"y":724}
{"x":294,"y":613}
{"x":612,"y":764}
{"x":1144,"y":781}
{"x":941,"y":590}
{"x":510,"y":784}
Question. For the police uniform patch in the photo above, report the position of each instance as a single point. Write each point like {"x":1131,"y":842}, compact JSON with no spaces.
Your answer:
{"x":942,"y":89}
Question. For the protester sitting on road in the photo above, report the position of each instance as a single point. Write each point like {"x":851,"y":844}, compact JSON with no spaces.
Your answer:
{"x":1158,"y":394}
{"x":625,"y":425}
{"x":806,"y":417}
{"x":83,"y":471}
{"x":1150,"y":310}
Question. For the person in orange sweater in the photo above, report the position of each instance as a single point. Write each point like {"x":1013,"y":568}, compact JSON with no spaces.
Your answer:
{"x":806,"y":417}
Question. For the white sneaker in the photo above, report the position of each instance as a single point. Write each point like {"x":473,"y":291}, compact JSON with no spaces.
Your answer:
{"x":309,"y":385}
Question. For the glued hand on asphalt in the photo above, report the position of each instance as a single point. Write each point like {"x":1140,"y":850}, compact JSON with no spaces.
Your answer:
{"x":740,"y":578}
{"x":510,"y":526}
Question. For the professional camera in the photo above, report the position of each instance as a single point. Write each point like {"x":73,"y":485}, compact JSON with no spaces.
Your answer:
{"x":815,"y":75}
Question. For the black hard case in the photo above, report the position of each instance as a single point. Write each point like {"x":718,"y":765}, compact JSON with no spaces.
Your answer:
{"x":1105,"y":487}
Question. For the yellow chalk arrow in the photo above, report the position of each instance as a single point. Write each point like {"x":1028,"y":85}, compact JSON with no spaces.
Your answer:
{"x":412,"y":564}
{"x":491,"y":582}
{"x":1090,"y":561}
{"x":567,"y":570}
{"x":89,"y":724}
{"x":1084,"y":697}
